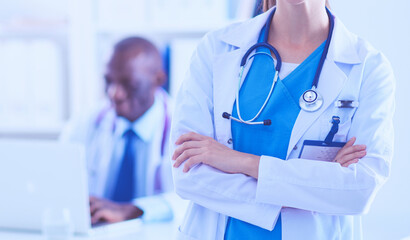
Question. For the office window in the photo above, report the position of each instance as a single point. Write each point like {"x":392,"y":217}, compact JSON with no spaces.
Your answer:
{"x":33,"y":66}
{"x":53,"y":53}
{"x":32,"y":75}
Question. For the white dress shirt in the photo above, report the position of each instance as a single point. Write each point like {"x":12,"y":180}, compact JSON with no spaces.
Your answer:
{"x":102,"y":135}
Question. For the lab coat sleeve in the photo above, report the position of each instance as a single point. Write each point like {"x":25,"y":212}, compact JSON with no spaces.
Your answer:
{"x":228,"y":194}
{"x":326,"y":187}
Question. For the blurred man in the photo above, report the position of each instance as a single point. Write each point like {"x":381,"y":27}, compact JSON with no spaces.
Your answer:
{"x":126,"y":141}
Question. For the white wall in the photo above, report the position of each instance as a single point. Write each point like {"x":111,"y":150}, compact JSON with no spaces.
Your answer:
{"x":386,"y":24}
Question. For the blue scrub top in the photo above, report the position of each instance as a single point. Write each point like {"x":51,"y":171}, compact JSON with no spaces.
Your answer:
{"x":282,"y":109}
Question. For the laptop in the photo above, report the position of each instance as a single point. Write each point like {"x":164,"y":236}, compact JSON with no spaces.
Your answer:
{"x":37,"y":176}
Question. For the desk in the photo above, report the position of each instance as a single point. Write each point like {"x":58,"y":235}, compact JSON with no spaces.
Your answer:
{"x":147,"y":231}
{"x":151,"y":231}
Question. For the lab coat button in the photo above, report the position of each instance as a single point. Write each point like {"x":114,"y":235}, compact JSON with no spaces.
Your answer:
{"x":295,"y":147}
{"x":229,"y":141}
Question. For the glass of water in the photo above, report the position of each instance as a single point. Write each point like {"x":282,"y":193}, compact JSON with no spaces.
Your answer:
{"x":57,"y":224}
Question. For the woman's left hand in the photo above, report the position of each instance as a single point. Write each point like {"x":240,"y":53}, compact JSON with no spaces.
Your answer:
{"x":195,"y":148}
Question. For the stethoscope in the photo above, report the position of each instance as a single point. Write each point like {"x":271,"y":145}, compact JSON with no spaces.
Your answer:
{"x":310,"y":100}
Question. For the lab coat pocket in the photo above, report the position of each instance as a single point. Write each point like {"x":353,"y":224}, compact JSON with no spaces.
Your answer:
{"x":345,"y":115}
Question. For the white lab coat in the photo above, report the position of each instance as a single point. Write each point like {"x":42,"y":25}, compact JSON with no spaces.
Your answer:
{"x":323,"y":200}
{"x":96,"y":133}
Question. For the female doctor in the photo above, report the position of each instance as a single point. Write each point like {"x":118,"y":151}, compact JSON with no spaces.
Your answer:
{"x":298,"y":143}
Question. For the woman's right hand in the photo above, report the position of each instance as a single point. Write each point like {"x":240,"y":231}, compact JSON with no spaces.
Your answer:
{"x":350,"y":153}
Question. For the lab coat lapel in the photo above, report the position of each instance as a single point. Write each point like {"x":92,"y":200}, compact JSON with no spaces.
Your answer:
{"x":102,"y":149}
{"x":330,"y":84}
{"x":225,"y":86}
{"x":226,"y":70}
{"x":105,"y":160}
{"x":243,"y":36}
{"x":342,"y":50}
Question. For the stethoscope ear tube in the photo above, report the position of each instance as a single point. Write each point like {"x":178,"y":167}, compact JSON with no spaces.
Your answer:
{"x":268,"y":46}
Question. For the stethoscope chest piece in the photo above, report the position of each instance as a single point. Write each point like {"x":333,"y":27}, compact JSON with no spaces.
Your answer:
{"x":310,"y":101}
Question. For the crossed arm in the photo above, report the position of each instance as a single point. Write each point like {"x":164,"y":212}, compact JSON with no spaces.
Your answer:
{"x":195,"y":148}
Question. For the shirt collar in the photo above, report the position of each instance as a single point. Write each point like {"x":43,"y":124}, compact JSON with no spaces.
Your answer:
{"x":144,"y":126}
{"x":342,"y":46}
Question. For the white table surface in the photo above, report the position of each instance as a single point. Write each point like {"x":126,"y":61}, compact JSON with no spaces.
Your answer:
{"x":146,"y":231}
{"x":150,"y":231}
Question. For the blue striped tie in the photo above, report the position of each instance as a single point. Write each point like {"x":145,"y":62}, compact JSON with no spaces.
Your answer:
{"x":125,"y":186}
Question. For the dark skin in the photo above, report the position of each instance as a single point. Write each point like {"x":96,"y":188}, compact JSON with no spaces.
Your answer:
{"x":103,"y":210}
{"x":131,"y":81}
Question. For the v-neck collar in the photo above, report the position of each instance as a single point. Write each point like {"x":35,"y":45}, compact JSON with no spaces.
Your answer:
{"x":318,"y":51}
